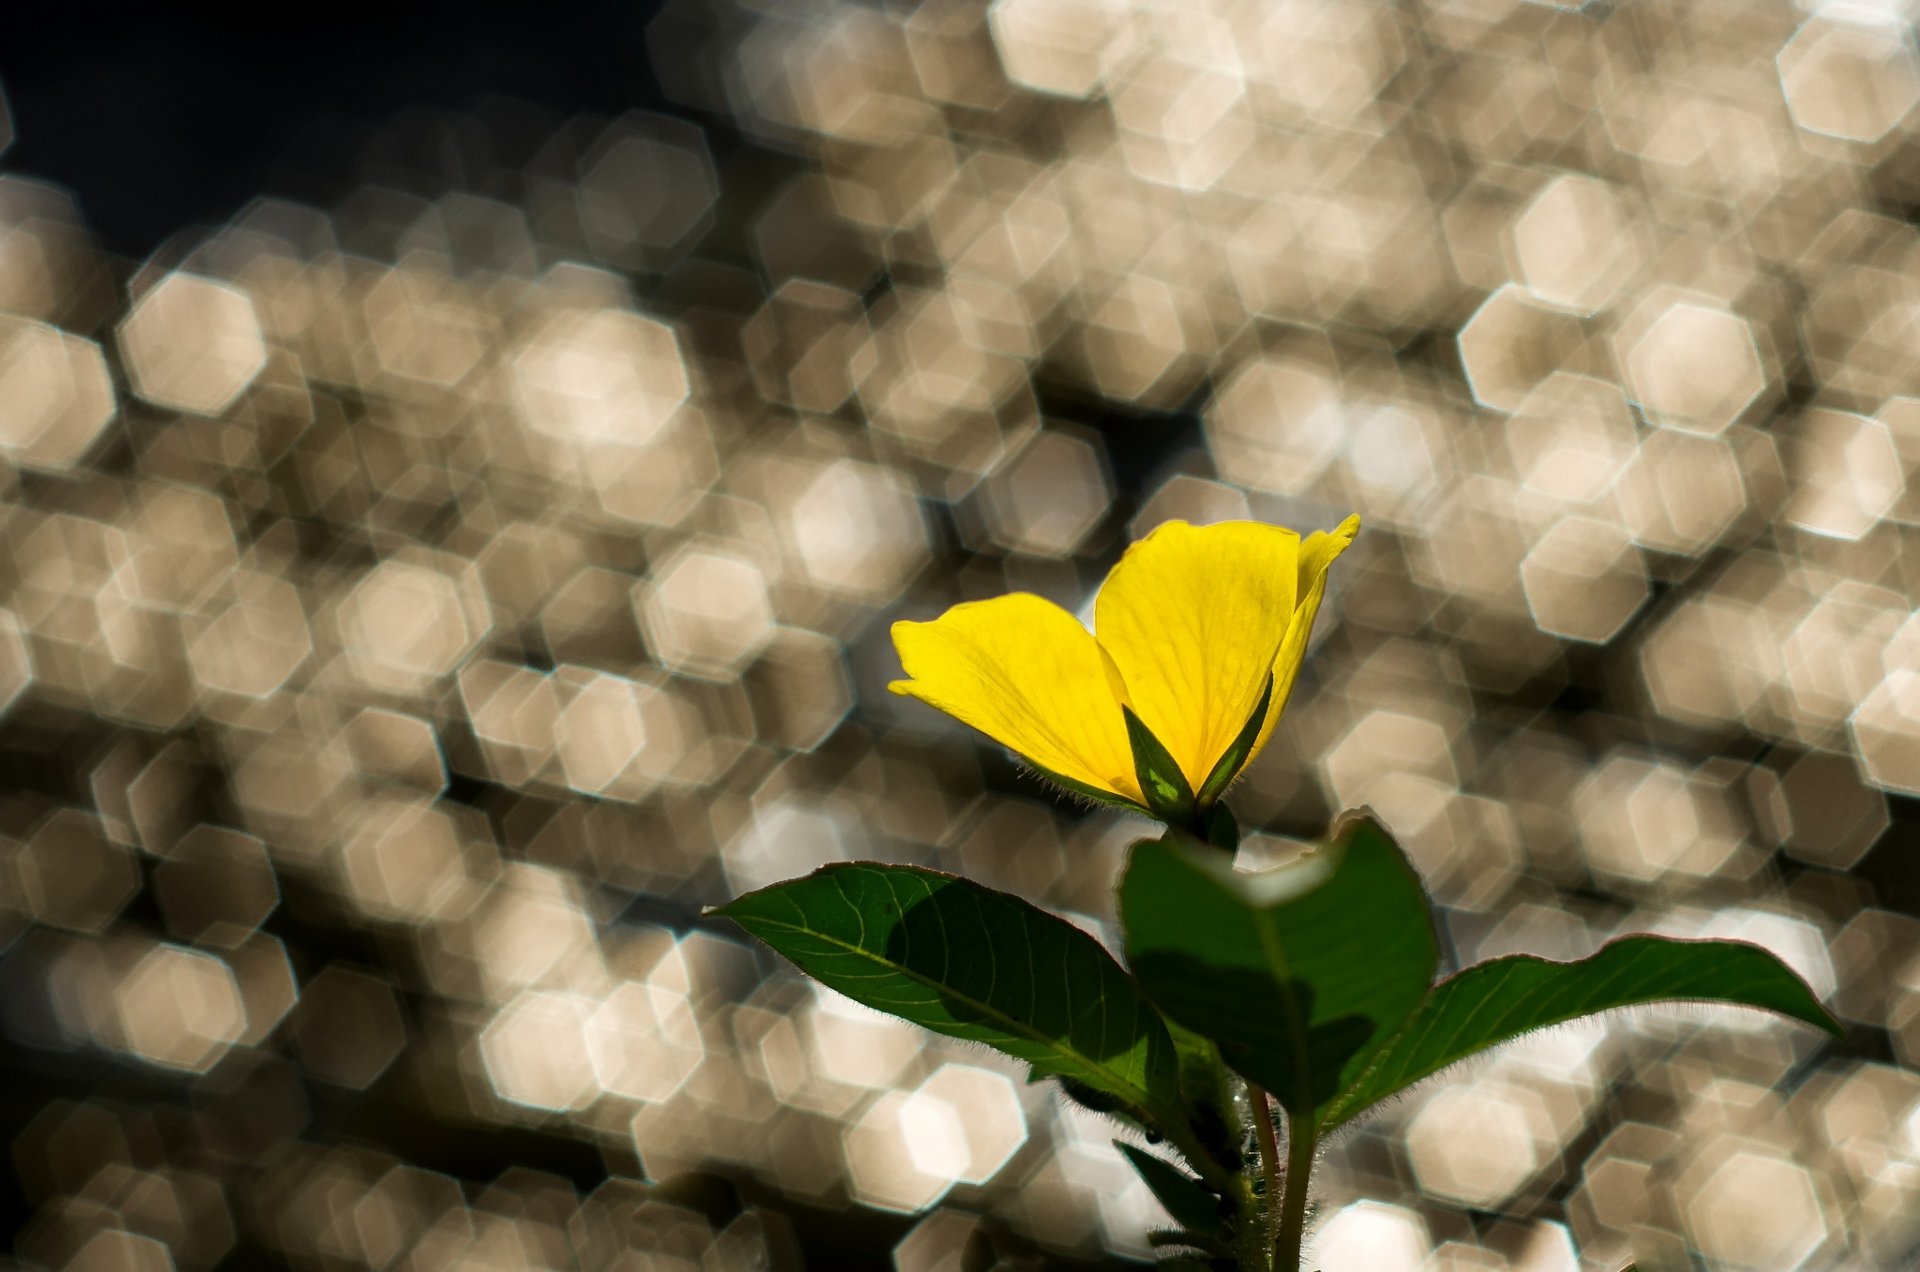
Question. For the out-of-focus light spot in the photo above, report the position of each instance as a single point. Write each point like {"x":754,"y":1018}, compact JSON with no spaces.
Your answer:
{"x":1382,"y":744}
{"x":1845,"y":471}
{"x":513,"y":712}
{"x":1851,"y":80}
{"x":1695,"y":367}
{"x":1642,"y":820}
{"x":1182,"y":117}
{"x":1584,"y":580}
{"x":801,"y":342}
{"x":405,"y":626}
{"x":391,"y":747}
{"x":859,"y":1045}
{"x":267,"y":989}
{"x":1680,"y":492}
{"x":1834,"y":655}
{"x":1049,"y":497}
{"x":857,"y":529}
{"x":1571,"y":438}
{"x":180,"y":1009}
{"x":600,"y":377}
{"x":1756,"y":1210}
{"x":404,"y":863}
{"x":644,"y":1041}
{"x":1136,"y":342}
{"x":800,"y":689}
{"x":116,"y":1250}
{"x":192,"y":344}
{"x":993,"y":1127}
{"x":1191,"y":499}
{"x":600,"y":734}
{"x":1477,"y":1145}
{"x":1395,"y":457}
{"x":1363,"y":1236}
{"x":647,"y":186}
{"x":1886,"y":733}
{"x":533,"y":933}
{"x":1322,"y":60}
{"x":1575,"y":244}
{"x":1277,"y":424}
{"x":1061,"y":47}
{"x":423,"y":327}
{"x":904,"y":1152}
{"x":254,"y":642}
{"x":535,"y":1052}
{"x":706,"y":612}
{"x":1901,"y":415}
{"x":55,"y":395}
{"x":16,"y":661}
{"x":1511,"y":344}
{"x":938,"y":1243}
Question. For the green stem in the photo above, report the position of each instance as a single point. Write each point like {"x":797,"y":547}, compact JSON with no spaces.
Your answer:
{"x":1293,"y":1211}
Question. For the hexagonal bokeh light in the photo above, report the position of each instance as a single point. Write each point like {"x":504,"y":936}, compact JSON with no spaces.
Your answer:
{"x":1694,"y":367}
{"x":1850,"y":79}
{"x":416,"y":609}
{"x":193,"y":344}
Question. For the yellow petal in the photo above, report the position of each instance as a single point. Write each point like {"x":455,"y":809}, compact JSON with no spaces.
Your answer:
{"x":1024,"y":672}
{"x":1317,"y":555}
{"x":1193,"y":617}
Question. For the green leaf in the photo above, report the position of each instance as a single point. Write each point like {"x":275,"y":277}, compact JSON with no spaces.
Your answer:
{"x":1228,"y":766}
{"x":1298,"y":973}
{"x":969,"y":962}
{"x":1187,"y":1200}
{"x":1161,"y":781}
{"x":1208,"y":1097}
{"x":1499,"y":1000}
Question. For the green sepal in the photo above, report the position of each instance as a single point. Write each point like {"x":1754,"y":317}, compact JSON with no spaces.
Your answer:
{"x":1191,"y":1203}
{"x":1181,"y":1239}
{"x":1089,"y":1097}
{"x":1223,"y":832}
{"x":1093,"y":793}
{"x":1169,"y":797}
{"x":1234,"y":758}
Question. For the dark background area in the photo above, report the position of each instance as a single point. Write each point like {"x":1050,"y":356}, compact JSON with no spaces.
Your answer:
{"x":160,"y":118}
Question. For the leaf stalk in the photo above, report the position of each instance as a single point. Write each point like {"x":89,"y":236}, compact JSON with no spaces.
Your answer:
{"x":1293,"y":1211}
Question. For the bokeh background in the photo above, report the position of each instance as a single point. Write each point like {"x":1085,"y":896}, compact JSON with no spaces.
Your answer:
{"x":457,"y":471}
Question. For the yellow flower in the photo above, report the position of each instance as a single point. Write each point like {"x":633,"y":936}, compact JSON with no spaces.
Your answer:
{"x":1188,"y":627}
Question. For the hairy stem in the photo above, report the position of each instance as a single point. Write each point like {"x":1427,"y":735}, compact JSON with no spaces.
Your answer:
{"x":1269,"y":1166}
{"x":1293,"y":1211}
